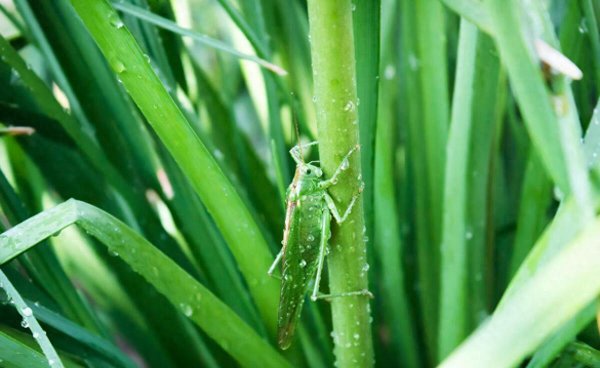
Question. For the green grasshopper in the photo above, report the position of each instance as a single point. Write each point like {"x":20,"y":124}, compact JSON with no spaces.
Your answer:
{"x":307,"y":230}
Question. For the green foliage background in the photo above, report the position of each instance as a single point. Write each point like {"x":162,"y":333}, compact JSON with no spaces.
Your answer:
{"x":168,"y":124}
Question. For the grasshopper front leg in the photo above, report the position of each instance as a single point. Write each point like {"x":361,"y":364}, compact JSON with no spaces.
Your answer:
{"x":296,"y":152}
{"x":334,"y":210}
{"x":343,"y":166}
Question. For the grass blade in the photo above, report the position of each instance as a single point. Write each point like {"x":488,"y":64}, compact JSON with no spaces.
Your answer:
{"x":556,"y":293}
{"x":203,"y":39}
{"x":454,"y":261}
{"x":217,"y":193}
{"x":193,"y":300}
{"x":31,"y":322}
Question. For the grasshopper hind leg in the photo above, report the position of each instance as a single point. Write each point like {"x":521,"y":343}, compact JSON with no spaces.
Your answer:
{"x":325,"y":233}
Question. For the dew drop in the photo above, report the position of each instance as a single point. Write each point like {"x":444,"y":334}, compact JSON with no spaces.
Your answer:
{"x":302,"y":263}
{"x":413,"y":61}
{"x":345,"y":164}
{"x":24,"y":323}
{"x":186,"y":309}
{"x":118,"y":23}
{"x":349,"y":106}
{"x":583,"y":27}
{"x":310,"y":237}
{"x":118,"y":66}
{"x":27,"y":312}
{"x":389,"y":72}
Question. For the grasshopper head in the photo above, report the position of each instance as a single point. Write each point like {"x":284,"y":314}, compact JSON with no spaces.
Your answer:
{"x":311,"y":171}
{"x":306,"y":181}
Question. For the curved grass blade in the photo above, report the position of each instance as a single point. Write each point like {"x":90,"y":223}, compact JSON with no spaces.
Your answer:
{"x":43,"y":264}
{"x":561,"y":289}
{"x":193,"y":300}
{"x":31,"y":322}
{"x":225,"y":205}
{"x":203,"y":39}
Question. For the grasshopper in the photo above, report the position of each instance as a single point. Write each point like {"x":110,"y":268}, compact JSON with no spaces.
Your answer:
{"x":309,"y":209}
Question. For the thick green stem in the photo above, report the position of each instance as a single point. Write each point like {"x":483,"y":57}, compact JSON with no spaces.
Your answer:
{"x":332,"y":47}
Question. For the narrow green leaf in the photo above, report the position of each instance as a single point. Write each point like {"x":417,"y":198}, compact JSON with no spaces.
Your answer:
{"x":556,"y":293}
{"x":191,"y":298}
{"x":454,"y":296}
{"x":30,"y":321}
{"x":217,"y":193}
{"x":203,"y":39}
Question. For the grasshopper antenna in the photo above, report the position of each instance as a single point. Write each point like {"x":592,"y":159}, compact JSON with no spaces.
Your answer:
{"x":298,"y":138}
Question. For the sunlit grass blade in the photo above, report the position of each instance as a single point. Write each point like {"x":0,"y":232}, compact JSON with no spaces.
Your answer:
{"x":192,"y":299}
{"x":544,"y":303}
{"x":203,"y":39}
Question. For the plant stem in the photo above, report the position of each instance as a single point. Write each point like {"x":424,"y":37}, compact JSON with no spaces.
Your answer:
{"x":333,"y":60}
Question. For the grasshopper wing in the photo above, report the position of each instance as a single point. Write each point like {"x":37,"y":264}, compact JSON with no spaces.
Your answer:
{"x":301,"y":246}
